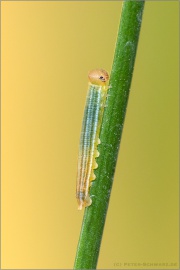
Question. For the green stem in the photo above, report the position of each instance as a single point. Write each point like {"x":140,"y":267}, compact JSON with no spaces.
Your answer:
{"x":111,"y":131}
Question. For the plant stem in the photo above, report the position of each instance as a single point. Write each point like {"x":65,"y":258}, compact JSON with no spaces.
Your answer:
{"x":111,"y":131}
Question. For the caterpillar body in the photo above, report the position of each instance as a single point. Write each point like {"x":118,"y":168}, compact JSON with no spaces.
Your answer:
{"x":89,"y":139}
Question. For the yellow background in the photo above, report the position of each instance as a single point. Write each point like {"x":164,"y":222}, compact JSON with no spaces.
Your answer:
{"x":47,"y":50}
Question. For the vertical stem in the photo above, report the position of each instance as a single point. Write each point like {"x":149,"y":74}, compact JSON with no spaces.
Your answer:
{"x":111,"y":131}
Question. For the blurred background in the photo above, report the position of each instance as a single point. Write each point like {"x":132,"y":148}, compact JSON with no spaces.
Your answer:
{"x":47,"y":50}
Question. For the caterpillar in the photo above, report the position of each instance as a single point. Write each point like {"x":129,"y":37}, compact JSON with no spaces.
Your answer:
{"x":89,"y":139}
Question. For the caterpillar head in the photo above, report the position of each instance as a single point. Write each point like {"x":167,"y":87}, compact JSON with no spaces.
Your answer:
{"x":98,"y":77}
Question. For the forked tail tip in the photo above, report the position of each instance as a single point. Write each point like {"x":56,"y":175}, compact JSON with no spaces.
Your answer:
{"x":80,"y":206}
